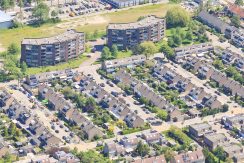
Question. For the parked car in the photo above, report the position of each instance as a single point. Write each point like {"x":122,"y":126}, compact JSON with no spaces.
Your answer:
{"x":116,"y":94}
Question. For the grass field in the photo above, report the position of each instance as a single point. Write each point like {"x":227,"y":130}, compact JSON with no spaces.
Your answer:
{"x":16,"y":35}
{"x":124,"y":54}
{"x":74,"y":63}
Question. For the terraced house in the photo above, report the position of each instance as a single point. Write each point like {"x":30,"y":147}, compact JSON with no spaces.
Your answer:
{"x":52,"y":50}
{"x":128,"y":35}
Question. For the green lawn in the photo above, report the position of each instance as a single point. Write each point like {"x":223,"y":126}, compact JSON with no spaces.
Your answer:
{"x":124,"y":54}
{"x":16,"y":35}
{"x":70,"y":64}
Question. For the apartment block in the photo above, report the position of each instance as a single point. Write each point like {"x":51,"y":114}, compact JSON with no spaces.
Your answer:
{"x":128,"y":35}
{"x":52,"y":50}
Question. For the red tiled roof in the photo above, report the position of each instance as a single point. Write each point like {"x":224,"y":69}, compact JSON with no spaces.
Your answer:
{"x":236,"y":10}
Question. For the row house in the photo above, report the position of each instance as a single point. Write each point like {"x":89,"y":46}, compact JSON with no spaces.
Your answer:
{"x":214,"y":140}
{"x":230,"y":86}
{"x":68,"y":112}
{"x":127,"y":144}
{"x":5,"y":97}
{"x":152,"y":137}
{"x":198,"y":130}
{"x":193,"y":63}
{"x":200,"y":98}
{"x":129,"y":62}
{"x":34,"y":80}
{"x":232,"y":149}
{"x":91,"y":131}
{"x":112,"y":149}
{"x":143,"y":90}
{"x":213,"y":21}
{"x":41,"y":135}
{"x":56,"y":101}
{"x":204,"y":72}
{"x":125,"y":78}
{"x":49,"y":140}
{"x":189,"y":157}
{"x":174,"y":80}
{"x":186,"y":51}
{"x":236,"y":121}
{"x":231,"y":58}
{"x":112,"y":104}
{"x":62,"y":156}
{"x":153,"y":159}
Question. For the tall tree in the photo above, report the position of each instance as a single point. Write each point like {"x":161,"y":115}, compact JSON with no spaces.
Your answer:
{"x":235,"y":20}
{"x":21,"y":5}
{"x":23,"y":67}
{"x":177,"y":17}
{"x":148,"y":48}
{"x":13,"y":49}
{"x":41,"y":12}
{"x":11,"y":3}
{"x":239,"y":2}
{"x":142,"y":149}
{"x":105,"y":53}
{"x":114,"y":51}
{"x":5,"y":5}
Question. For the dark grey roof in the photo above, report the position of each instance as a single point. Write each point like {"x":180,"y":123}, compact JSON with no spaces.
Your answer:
{"x":214,"y":21}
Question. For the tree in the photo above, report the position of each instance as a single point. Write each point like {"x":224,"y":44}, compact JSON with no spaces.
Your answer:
{"x":189,"y":35}
{"x":136,"y":49}
{"x":231,"y":71}
{"x":235,"y":20}
{"x":225,"y":108}
{"x":23,"y":67}
{"x":142,"y":149}
{"x":170,"y":42}
{"x":90,"y":104}
{"x":5,"y":132}
{"x":209,"y":156}
{"x":169,"y":154}
{"x":239,"y":2}
{"x":148,"y":48}
{"x":168,"y":51}
{"x":177,"y":40}
{"x":18,"y":133}
{"x":177,"y":17}
{"x":5,"y":5}
{"x":54,"y":14}
{"x":41,"y":12}
{"x":92,"y":157}
{"x":21,"y":5}
{"x":218,"y":64}
{"x":12,"y":129}
{"x":114,"y":51}
{"x":11,"y":3}
{"x":220,"y":153}
{"x":162,"y":114}
{"x":13,"y":49}
{"x":105,"y":54}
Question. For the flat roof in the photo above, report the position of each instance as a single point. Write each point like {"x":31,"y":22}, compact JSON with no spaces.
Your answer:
{"x":200,"y":126}
{"x":215,"y":137}
{"x":149,"y":20}
{"x":68,"y":35}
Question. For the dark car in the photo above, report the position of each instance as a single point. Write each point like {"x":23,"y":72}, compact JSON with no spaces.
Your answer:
{"x":116,"y":94}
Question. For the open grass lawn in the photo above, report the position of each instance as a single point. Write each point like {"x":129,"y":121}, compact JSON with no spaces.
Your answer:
{"x":74,"y":63}
{"x":124,"y":54}
{"x":16,"y":35}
